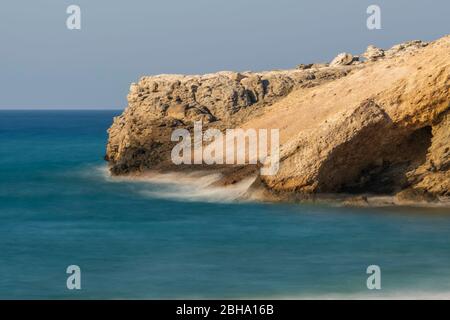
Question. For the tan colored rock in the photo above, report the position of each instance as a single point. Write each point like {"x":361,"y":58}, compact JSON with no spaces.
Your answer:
{"x":373,"y":53}
{"x":349,"y":125}
{"x":406,"y":47}
{"x":303,"y":66}
{"x":222,"y":99}
{"x":433,"y":177}
{"x":342,"y":59}
{"x":176,"y":111}
{"x":378,"y":130}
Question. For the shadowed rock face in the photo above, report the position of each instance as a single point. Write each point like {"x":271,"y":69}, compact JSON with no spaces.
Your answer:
{"x":378,"y":127}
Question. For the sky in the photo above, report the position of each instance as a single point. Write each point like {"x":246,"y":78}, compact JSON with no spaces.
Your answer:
{"x":44,"y":65}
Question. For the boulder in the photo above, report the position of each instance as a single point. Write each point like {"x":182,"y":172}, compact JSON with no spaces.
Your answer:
{"x":342,"y":59}
{"x":373,"y":53}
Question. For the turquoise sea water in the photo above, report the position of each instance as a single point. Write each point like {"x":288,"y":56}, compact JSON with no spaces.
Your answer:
{"x":58,"y":208}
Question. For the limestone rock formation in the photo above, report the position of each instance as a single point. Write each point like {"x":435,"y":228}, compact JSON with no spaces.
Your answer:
{"x":379,"y":128}
{"x":343,"y":59}
{"x":409,"y":46}
{"x":140,"y":137}
{"x":373,"y":53}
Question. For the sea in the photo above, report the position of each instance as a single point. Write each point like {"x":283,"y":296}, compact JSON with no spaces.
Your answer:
{"x":173,"y":237}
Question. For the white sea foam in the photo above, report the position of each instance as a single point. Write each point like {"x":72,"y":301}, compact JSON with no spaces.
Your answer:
{"x":202,"y":190}
{"x":192,"y":186}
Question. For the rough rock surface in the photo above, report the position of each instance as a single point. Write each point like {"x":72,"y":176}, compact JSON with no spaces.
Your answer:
{"x":140,"y":137}
{"x":343,"y":59}
{"x":373,"y":53}
{"x":360,"y":131}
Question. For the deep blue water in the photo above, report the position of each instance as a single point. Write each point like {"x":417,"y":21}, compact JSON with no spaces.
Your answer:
{"x":57,"y":208}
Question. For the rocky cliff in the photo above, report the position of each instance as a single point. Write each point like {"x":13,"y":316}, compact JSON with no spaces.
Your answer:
{"x":360,"y":128}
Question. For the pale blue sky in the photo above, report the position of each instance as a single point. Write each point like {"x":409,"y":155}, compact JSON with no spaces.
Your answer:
{"x":45,"y":65}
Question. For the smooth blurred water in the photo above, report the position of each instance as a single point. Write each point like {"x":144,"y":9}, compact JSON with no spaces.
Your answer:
{"x":57,"y":208}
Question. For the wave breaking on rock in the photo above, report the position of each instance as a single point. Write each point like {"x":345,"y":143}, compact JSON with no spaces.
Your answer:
{"x":363,"y":126}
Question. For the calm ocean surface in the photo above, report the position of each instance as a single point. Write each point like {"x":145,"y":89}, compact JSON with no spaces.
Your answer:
{"x":58,"y":208}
